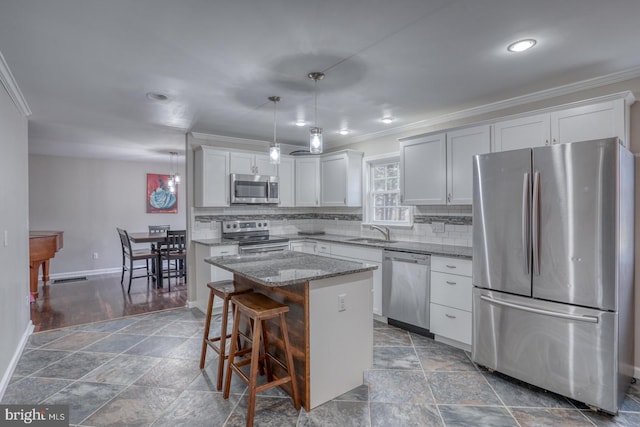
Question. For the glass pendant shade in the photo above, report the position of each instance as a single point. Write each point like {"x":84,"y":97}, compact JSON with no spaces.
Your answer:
{"x":274,"y":153}
{"x":315,"y":140}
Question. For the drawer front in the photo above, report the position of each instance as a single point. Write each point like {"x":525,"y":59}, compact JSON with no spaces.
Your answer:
{"x":355,"y":252}
{"x":459,"y":266}
{"x":224,"y":250}
{"x":451,"y":290}
{"x":451,"y":323}
{"x":323,"y":248}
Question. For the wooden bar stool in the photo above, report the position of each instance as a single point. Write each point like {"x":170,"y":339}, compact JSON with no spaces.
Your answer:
{"x":258,"y":308}
{"x":224,"y":290}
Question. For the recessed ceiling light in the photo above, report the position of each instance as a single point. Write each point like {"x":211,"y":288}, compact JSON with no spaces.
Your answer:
{"x":521,"y":45}
{"x":158,"y":97}
{"x":300,"y":123}
{"x":344,"y":131}
{"x":387,"y":120}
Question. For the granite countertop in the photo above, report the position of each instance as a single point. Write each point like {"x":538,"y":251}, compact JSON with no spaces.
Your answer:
{"x":286,"y":267}
{"x":399,"y":245}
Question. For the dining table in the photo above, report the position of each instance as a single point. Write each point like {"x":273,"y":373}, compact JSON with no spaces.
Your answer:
{"x":154,"y":238}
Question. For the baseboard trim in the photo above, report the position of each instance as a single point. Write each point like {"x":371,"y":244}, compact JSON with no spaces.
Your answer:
{"x":85,"y":273}
{"x":4,"y":383}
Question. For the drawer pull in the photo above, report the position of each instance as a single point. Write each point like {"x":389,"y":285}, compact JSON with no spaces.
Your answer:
{"x":224,"y":252}
{"x":451,"y":266}
{"x":450,"y":283}
{"x":450,"y":316}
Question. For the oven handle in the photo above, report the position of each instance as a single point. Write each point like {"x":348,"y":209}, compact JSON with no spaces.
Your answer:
{"x":263,"y":248}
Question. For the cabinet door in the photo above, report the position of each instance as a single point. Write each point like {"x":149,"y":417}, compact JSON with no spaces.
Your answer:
{"x":286,"y":179}
{"x":462,"y":145}
{"x":211,"y":177}
{"x":423,"y":171}
{"x":333,"y":181}
{"x":602,"y":120}
{"x":307,"y":180}
{"x":264,"y":167}
{"x":525,"y":132}
{"x":241,"y":163}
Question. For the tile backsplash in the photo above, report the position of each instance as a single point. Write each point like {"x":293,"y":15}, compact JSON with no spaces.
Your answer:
{"x":428,"y":222}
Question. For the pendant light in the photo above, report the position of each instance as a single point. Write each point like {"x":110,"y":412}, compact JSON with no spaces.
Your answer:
{"x":274,"y":147}
{"x":174,"y":176}
{"x":315,"y":137}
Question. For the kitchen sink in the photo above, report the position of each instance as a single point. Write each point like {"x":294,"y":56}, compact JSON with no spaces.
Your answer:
{"x":370,"y":240}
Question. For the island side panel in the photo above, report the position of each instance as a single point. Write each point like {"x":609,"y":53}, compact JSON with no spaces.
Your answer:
{"x":297,"y":298}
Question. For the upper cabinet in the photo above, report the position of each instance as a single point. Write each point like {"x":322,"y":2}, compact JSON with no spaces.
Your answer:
{"x":437,"y":169}
{"x":581,"y":123}
{"x":286,"y":179}
{"x":341,"y":179}
{"x":523,"y":132}
{"x":211,"y":184}
{"x":251,"y":164}
{"x":307,"y":181}
{"x":462,"y":145}
{"x":423,"y":170}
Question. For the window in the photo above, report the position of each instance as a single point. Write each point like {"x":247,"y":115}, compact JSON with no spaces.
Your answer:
{"x":382,"y":199}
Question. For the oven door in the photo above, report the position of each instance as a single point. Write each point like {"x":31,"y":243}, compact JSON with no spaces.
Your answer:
{"x":263,"y":248}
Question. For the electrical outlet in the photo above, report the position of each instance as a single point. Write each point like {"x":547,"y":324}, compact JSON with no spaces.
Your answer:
{"x":95,"y":255}
{"x":437,"y":227}
{"x":342,"y":306}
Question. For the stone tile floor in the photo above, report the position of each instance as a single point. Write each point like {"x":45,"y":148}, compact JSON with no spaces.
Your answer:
{"x":143,"y":370}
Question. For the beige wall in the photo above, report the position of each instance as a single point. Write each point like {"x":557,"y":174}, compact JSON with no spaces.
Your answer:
{"x":88,"y":199}
{"x":14,"y":257}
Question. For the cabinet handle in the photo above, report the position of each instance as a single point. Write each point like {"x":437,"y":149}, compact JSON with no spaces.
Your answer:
{"x":345,"y":201}
{"x":546,"y":142}
{"x":450,"y":283}
{"x":451,"y":266}
{"x":401,"y":198}
{"x":554,"y":140}
{"x":449,"y":197}
{"x":224,"y":252}
{"x":450,"y":316}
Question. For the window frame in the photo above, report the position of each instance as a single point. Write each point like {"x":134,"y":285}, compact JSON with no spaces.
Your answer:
{"x":367,"y":200}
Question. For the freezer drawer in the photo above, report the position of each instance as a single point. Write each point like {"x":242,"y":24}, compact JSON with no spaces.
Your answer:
{"x":565,"y":349}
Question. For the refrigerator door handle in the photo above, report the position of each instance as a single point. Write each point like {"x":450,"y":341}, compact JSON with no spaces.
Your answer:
{"x":526,"y":219}
{"x":535,"y":223}
{"x":590,"y":319}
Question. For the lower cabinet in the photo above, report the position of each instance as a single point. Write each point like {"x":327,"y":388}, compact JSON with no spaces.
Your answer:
{"x":206,"y":273}
{"x":451,"y":294}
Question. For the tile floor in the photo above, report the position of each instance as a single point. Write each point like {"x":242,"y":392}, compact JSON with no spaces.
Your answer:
{"x":143,"y":370}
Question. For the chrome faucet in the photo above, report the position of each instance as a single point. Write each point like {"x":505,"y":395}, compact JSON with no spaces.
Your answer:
{"x":384,"y":230}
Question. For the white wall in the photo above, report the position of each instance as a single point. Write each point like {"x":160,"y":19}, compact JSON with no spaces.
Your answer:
{"x":88,"y":199}
{"x":15,"y":324}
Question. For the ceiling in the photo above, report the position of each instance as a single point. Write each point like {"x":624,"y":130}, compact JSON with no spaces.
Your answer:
{"x":86,"y":66}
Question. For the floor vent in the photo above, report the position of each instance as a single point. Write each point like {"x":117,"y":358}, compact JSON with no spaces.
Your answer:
{"x":70,"y":279}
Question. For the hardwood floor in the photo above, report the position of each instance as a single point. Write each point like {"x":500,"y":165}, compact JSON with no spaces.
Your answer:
{"x":100,"y":298}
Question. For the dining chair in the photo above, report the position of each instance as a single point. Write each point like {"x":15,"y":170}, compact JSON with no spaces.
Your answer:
{"x":129,"y":256}
{"x":174,"y":252}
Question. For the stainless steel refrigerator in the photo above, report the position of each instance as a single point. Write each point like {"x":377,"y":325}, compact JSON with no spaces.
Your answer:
{"x":553,"y":268}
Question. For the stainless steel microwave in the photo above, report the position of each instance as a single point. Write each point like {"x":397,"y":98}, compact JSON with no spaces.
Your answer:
{"x":254,"y":189}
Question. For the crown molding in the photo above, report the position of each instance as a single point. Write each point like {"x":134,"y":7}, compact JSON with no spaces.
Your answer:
{"x":542,"y":95}
{"x":12,"y":88}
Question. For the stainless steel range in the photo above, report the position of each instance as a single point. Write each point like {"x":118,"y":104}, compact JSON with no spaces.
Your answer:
{"x":253,"y":236}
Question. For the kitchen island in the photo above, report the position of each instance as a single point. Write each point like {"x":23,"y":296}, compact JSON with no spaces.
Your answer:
{"x":330,"y":317}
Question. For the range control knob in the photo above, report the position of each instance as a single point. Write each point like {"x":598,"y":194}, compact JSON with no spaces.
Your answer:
{"x":265,"y":224}
{"x":235,"y":225}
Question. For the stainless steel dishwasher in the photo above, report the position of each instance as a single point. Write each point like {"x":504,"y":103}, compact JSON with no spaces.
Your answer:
{"x":406,"y":289}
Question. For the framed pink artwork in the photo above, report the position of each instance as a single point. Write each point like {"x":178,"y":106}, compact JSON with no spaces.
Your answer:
{"x":159,"y":198}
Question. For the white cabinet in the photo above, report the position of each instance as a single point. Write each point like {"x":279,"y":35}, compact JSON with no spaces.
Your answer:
{"x":437,"y":169}
{"x":252,"y":164}
{"x":211,"y":185}
{"x":368,"y":256}
{"x":591,"y":121}
{"x":523,"y":132}
{"x":286,"y":180}
{"x":206,"y":273}
{"x":601,"y":120}
{"x":423,"y":163}
{"x":341,"y":179}
{"x":462,"y":145}
{"x":307,"y":181}
{"x":304,"y":246}
{"x":451,"y":294}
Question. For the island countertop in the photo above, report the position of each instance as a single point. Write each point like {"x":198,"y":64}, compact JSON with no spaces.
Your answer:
{"x":284,"y":268}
